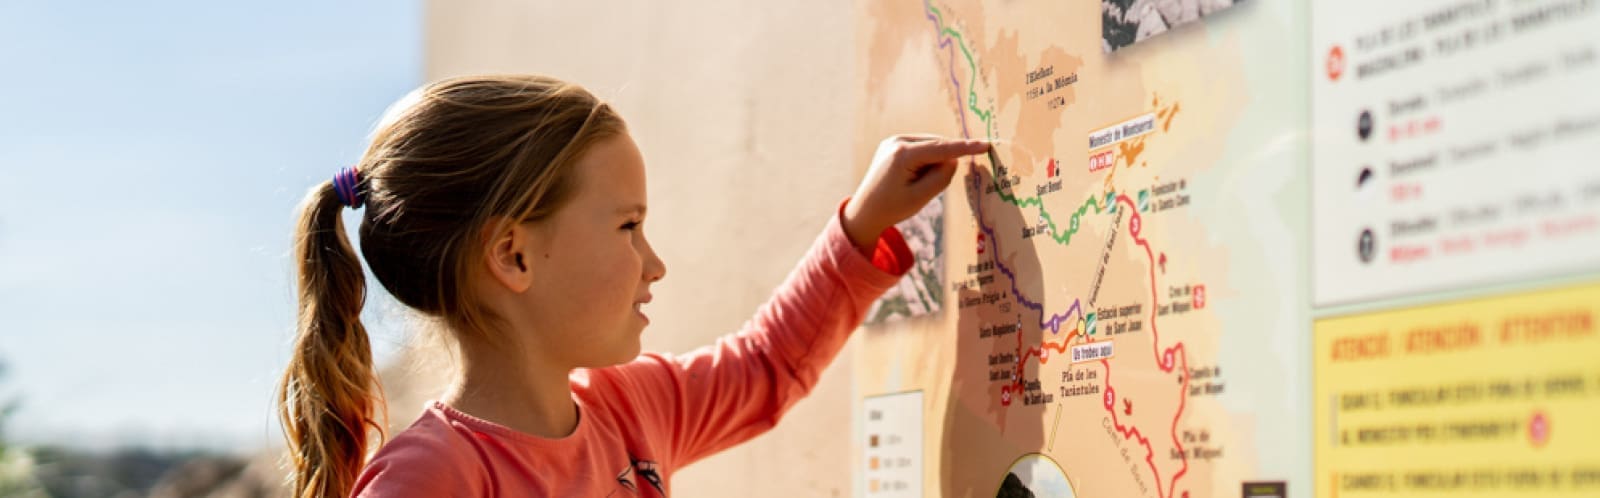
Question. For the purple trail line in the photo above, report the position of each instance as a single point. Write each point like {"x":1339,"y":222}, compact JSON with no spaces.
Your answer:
{"x":1055,"y":321}
{"x":945,"y":42}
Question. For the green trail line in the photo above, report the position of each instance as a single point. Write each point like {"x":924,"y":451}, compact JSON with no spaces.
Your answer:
{"x":972,"y":86}
{"x":1062,"y":238}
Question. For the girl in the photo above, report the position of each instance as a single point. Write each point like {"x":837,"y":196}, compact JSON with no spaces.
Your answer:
{"x":511,"y":210}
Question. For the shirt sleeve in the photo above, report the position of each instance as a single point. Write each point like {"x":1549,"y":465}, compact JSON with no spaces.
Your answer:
{"x":737,"y":388}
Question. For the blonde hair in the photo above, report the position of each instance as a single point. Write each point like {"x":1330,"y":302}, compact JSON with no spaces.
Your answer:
{"x":458,"y":155}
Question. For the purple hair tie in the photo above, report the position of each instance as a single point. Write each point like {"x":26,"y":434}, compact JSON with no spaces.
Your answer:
{"x":347,"y":185}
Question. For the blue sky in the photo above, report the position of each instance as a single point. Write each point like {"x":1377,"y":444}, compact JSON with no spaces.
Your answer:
{"x":151,"y":157}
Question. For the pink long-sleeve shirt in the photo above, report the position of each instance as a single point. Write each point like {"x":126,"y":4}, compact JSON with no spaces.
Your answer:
{"x":641,"y":421}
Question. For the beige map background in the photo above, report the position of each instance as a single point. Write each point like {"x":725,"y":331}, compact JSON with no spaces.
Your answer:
{"x":1224,"y":105}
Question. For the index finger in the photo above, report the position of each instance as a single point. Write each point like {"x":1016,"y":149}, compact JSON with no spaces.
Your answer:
{"x":941,"y":150}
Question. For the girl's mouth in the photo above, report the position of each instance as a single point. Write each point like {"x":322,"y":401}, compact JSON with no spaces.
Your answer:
{"x":638,"y":309}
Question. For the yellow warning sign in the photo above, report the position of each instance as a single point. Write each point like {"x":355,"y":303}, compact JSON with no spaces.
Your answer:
{"x":1483,"y":398}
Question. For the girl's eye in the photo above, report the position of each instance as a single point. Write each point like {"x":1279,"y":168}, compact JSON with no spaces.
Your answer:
{"x":630,"y":225}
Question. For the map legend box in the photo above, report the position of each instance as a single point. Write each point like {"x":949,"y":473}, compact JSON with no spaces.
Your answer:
{"x":893,"y":447}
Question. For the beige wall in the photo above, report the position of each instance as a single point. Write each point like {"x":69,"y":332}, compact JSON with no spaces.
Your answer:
{"x":744,"y":111}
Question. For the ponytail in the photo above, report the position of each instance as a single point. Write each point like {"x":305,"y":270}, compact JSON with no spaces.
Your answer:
{"x":329,"y":394}
{"x":459,"y":154}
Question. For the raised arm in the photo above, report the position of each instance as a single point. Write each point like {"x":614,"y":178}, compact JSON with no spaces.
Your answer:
{"x":738,"y":387}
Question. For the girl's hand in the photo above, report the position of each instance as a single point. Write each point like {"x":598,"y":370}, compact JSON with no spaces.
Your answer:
{"x":906,"y":173}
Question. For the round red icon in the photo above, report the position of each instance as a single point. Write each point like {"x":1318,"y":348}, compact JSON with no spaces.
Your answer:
{"x":1539,"y":430}
{"x":1335,"y":64}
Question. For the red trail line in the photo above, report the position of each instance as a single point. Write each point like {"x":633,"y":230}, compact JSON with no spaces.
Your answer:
{"x":1174,"y":357}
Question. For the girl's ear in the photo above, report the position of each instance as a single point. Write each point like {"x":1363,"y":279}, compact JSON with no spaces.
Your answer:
{"x":508,"y":254}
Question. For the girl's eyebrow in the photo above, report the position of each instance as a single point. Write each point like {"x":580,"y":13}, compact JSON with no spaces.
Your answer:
{"x":630,"y":209}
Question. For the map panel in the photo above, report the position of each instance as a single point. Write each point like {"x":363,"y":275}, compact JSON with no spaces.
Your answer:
{"x":1124,"y":304}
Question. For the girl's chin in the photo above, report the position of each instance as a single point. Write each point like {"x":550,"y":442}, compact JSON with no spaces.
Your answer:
{"x":632,"y":353}
{"x":633,"y":345}
{"x":621,"y":356}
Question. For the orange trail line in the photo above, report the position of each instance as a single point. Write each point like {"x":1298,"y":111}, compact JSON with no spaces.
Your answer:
{"x":1023,"y":354}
